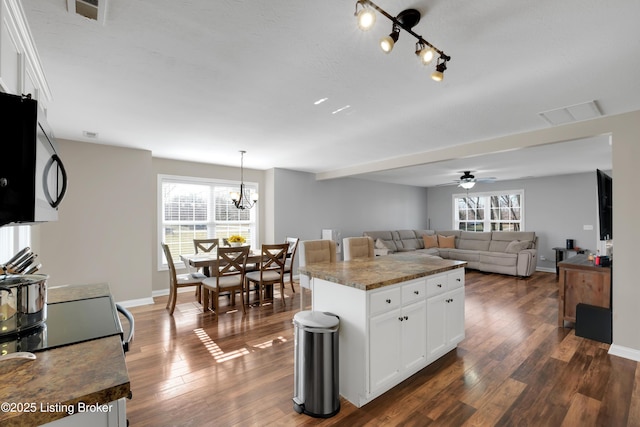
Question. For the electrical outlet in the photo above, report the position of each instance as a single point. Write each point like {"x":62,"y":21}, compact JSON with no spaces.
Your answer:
{"x":587,"y":227}
{"x":543,"y":258}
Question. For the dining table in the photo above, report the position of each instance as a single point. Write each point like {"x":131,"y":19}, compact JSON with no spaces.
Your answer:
{"x":207,"y":260}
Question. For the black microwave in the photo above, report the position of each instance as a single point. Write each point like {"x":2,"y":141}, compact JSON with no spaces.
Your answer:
{"x":33,"y":180}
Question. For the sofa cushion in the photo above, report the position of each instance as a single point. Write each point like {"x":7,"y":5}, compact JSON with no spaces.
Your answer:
{"x":475,"y":241}
{"x":446,"y":241}
{"x":516,"y":246}
{"x":420,"y":233}
{"x":409,"y":240}
{"x":430,"y":241}
{"x":387,"y":237}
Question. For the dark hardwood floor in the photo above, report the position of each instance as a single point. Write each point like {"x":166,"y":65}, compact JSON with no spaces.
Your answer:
{"x":515,"y":368}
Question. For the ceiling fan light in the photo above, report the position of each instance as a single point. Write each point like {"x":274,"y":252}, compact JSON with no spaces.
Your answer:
{"x":467,"y":185}
{"x":366,"y":19}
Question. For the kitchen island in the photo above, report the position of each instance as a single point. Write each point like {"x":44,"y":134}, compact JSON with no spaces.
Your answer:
{"x":397,"y":314}
{"x":69,"y":384}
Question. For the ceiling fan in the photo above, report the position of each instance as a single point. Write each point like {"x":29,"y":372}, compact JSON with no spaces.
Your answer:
{"x":467,"y":181}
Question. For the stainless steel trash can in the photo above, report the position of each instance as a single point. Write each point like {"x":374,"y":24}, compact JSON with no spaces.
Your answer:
{"x":316,"y":381}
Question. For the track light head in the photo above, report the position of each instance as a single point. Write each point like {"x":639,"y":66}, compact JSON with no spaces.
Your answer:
{"x":387,"y":42}
{"x":366,"y":16}
{"x":438,"y":74}
{"x":426,"y":54}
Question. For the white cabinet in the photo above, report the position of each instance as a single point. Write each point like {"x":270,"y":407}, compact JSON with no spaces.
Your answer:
{"x":397,"y":339}
{"x":385,"y":333}
{"x":20,"y":68}
{"x":445,"y":314}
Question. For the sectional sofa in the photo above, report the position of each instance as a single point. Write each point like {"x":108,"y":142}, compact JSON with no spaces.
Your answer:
{"x":505,"y":252}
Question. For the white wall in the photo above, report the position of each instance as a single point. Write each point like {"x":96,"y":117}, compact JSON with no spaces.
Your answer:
{"x":556,"y":208}
{"x":104,"y":226}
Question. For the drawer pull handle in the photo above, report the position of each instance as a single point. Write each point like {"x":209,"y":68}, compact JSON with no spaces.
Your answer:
{"x":388,"y":301}
{"x":459,"y":279}
{"x":416,"y":292}
{"x":400,"y":319}
{"x":406,"y":317}
{"x":439,"y":285}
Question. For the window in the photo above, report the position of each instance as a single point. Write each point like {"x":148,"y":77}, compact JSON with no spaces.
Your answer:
{"x":193,"y":208}
{"x":499,"y":211}
{"x":12,"y":240}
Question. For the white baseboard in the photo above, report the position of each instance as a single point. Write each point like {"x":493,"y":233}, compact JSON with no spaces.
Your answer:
{"x":136,"y":302}
{"x":546,"y":269}
{"x":626,"y":352}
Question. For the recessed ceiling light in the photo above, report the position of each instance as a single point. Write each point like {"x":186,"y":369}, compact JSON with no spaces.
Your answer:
{"x":320,"y":101}
{"x":88,"y":134}
{"x":341,"y":109}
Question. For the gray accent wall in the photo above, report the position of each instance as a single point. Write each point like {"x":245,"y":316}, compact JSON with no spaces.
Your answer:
{"x":556,"y":208}
{"x":304,"y":206}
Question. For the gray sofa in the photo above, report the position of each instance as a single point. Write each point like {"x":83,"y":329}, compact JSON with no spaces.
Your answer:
{"x":505,"y":252}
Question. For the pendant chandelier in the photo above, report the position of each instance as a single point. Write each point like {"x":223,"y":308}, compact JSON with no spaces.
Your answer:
{"x":244,"y":199}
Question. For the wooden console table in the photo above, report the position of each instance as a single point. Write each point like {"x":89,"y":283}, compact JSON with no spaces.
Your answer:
{"x":562,"y":252}
{"x":581,"y":281}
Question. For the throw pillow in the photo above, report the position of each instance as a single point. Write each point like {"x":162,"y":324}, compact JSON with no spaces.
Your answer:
{"x":380,"y":244}
{"x":516,"y":246}
{"x":430,"y":241}
{"x":446,"y":241}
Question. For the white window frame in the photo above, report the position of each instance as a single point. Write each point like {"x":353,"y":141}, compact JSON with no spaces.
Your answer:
{"x":13,"y":238}
{"x":487,"y":206}
{"x":162,"y":178}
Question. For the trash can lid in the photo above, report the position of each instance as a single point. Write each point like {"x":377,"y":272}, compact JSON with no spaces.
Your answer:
{"x":316,"y":319}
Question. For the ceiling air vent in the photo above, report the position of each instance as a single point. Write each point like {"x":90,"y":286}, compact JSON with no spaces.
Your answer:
{"x":92,"y":9}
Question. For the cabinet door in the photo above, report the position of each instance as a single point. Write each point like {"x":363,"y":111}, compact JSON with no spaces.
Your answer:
{"x":436,"y":321}
{"x":385,"y":335}
{"x":414,"y":338}
{"x":455,"y":316}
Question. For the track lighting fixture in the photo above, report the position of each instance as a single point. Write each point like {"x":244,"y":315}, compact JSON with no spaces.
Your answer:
{"x":406,"y":20}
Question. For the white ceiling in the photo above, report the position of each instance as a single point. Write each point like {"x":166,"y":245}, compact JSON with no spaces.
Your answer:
{"x":200,"y":80}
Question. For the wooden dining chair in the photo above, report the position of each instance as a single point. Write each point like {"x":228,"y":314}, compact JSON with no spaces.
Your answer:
{"x":205,"y":245}
{"x":291,"y":256}
{"x":178,"y":280}
{"x":271,"y":271}
{"x":227,"y":276}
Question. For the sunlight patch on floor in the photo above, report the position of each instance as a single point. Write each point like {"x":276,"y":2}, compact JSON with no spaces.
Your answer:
{"x":215,"y":350}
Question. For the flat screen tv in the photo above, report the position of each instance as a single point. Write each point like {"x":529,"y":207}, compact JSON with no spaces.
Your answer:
{"x":605,"y":205}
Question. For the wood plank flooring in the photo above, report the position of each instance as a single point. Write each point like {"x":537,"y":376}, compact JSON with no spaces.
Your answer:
{"x":515,"y":368}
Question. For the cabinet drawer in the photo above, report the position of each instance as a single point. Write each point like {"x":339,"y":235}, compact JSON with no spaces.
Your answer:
{"x":384,"y":300}
{"x":436,"y":284}
{"x":455,"y":279}
{"x":414,"y":291}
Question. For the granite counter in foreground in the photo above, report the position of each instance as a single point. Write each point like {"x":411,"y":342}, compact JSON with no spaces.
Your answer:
{"x":372,"y":273}
{"x":48,"y":388}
